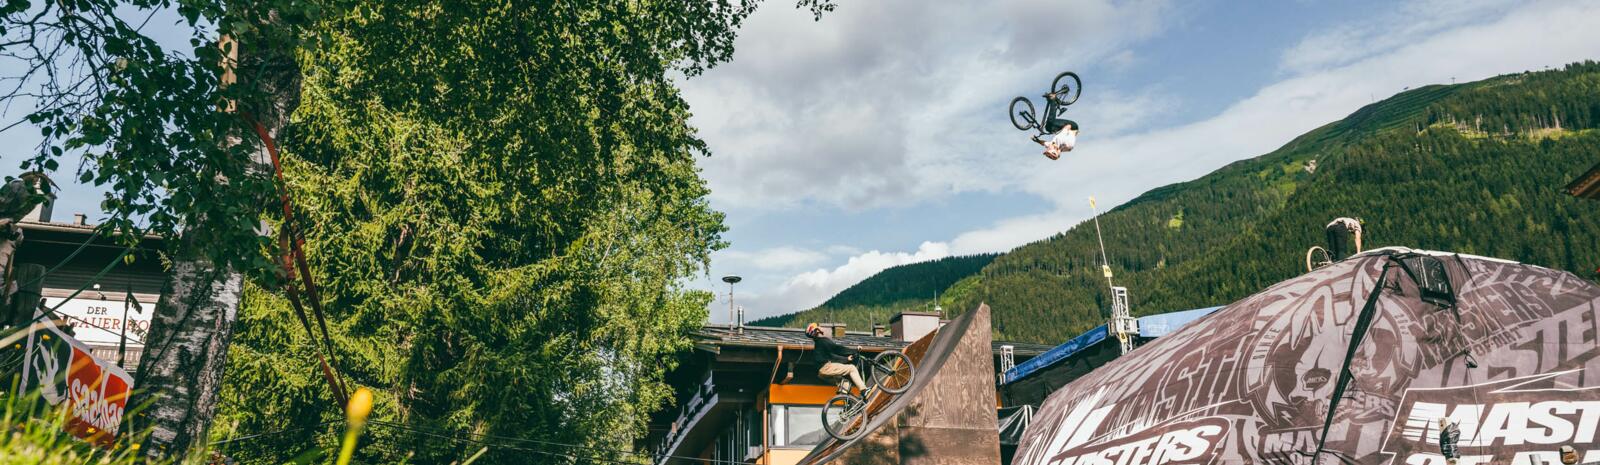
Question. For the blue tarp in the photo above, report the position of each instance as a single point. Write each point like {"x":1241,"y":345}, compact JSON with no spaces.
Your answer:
{"x":1059,"y":353}
{"x":1166,"y":323}
{"x":1149,"y":327}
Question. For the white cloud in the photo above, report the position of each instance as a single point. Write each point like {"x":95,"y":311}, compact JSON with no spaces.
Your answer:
{"x":811,"y":288}
{"x":1010,"y":233}
{"x":775,"y":258}
{"x":1408,"y":24}
{"x":1118,"y":168}
{"x":1323,"y":89}
{"x":879,"y":102}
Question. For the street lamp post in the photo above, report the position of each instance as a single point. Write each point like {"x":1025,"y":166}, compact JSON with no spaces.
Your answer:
{"x":731,"y":280}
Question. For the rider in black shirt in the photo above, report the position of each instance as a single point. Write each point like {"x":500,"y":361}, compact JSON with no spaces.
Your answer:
{"x":836,"y":360}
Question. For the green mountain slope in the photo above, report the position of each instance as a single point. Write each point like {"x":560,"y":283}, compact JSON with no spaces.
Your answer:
{"x":874,"y":299}
{"x":1475,"y":168}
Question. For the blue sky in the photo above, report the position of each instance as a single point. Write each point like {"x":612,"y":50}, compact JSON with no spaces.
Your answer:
{"x":878,"y":135}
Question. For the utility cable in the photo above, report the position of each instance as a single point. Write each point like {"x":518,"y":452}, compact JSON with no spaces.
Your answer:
{"x":64,"y":262}
{"x":271,"y":433}
{"x":559,"y":444}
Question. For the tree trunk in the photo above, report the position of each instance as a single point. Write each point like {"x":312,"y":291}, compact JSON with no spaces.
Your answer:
{"x":186,"y":350}
{"x":187,"y":347}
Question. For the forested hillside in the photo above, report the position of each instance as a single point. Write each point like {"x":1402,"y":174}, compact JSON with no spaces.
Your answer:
{"x":1475,"y":168}
{"x":873,"y":300}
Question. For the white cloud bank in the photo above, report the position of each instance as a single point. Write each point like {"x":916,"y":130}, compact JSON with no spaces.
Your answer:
{"x":1332,"y":73}
{"x":811,"y":288}
{"x":873,"y":105}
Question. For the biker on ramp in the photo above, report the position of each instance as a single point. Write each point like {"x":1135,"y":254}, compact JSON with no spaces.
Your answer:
{"x":836,"y":360}
{"x":846,"y":415}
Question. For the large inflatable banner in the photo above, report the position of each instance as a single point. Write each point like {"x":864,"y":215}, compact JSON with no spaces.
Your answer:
{"x":63,"y":371}
{"x":1505,"y":352}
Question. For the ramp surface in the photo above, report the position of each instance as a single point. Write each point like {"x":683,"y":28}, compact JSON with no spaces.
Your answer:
{"x":948,"y":414}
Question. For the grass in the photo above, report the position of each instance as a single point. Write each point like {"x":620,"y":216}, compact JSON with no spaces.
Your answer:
{"x":33,"y":433}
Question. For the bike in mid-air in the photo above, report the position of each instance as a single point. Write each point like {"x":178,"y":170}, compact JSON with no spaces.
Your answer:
{"x":1064,"y":91}
{"x":845,"y":415}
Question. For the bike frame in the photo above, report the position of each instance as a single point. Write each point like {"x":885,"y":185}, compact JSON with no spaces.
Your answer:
{"x":865,"y":367}
{"x":1051,"y":107}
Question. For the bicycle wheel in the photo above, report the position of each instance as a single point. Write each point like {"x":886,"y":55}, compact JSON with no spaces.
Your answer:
{"x":1067,"y":87}
{"x":844,"y":417}
{"x":1311,"y":263}
{"x":893,"y":371}
{"x":1022,"y":115}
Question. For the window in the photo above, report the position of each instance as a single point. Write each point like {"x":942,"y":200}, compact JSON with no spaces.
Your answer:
{"x":797,"y":426}
{"x":741,"y":439}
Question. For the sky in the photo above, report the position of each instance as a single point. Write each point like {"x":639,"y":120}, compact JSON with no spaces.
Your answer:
{"x":878,"y":135}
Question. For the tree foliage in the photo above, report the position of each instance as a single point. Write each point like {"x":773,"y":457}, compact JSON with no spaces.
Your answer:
{"x":898,"y":288}
{"x":148,"y":121}
{"x":502,"y":205}
{"x":500,"y":199}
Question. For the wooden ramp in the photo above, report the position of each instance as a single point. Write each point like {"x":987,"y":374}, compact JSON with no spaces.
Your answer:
{"x":948,"y":415}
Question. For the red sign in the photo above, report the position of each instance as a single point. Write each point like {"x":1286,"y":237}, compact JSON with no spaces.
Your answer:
{"x":64,"y":372}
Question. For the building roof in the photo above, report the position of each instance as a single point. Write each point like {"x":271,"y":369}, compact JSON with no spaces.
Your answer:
{"x":1587,"y":185}
{"x":72,"y":228}
{"x":767,"y":336}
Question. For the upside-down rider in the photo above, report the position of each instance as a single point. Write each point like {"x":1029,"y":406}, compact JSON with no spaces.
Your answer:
{"x":837,"y":360}
{"x":1063,"y":135}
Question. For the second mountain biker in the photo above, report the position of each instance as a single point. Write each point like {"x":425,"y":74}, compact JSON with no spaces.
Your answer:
{"x":837,"y":360}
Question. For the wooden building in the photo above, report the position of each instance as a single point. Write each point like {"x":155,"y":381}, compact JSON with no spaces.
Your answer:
{"x":749,"y":394}
{"x":100,"y":298}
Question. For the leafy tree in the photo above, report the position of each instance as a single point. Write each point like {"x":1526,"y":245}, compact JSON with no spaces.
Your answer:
{"x":500,"y":199}
{"x":502,"y":204}
{"x":171,"y":132}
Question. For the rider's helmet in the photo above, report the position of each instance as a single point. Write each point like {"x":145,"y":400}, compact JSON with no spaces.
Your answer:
{"x":813,"y":330}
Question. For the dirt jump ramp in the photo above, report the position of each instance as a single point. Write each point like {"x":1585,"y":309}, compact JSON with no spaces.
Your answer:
{"x":948,"y":415}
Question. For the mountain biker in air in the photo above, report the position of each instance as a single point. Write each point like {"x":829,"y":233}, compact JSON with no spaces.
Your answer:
{"x":1064,"y":136}
{"x":837,"y":360}
{"x":1056,"y":134}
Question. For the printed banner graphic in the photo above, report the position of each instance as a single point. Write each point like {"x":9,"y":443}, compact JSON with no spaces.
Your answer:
{"x":1251,"y":383}
{"x":64,"y":372}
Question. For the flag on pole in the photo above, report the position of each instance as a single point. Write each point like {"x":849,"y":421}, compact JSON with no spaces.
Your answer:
{"x":1091,"y":203}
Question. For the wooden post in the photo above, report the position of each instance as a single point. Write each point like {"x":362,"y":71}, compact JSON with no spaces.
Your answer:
{"x":30,"y":285}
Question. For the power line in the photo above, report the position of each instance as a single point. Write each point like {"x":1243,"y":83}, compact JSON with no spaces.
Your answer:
{"x":560,"y":444}
{"x":270,"y":433}
{"x":493,"y":441}
{"x":74,"y":254}
{"x":505,"y":446}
